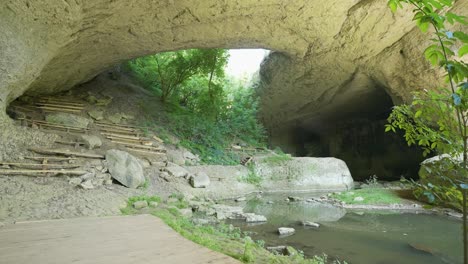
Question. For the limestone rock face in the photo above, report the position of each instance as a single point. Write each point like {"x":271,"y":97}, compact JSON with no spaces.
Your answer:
{"x":329,"y":54}
{"x":125,"y":168}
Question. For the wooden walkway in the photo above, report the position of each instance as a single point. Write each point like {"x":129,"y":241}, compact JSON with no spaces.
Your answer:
{"x":119,"y":239}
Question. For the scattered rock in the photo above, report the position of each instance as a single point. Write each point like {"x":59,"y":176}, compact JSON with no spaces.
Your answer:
{"x":270,"y":202}
{"x":171,"y":200}
{"x":358,"y":199}
{"x":2,"y":224}
{"x":176,"y":170}
{"x":153,"y":204}
{"x":240,"y":199}
{"x":108,"y":182}
{"x":67,"y":119}
{"x":200,"y":180}
{"x":104,"y":101}
{"x":91,"y":141}
{"x":186,"y":212}
{"x":75,"y":181}
{"x":254,"y":218}
{"x":125,"y":168}
{"x":140,"y":204}
{"x":311,"y":224}
{"x":115,"y":118}
{"x":454,"y":214}
{"x":224,"y":212}
{"x":286,"y":231}
{"x":294,"y":198}
{"x":87,"y":185}
{"x":279,"y":250}
{"x":422,"y":248}
{"x":87,"y":176}
{"x":176,"y":156}
{"x":359,"y":213}
{"x":96,"y":115}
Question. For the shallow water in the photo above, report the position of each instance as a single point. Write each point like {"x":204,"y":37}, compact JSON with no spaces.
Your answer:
{"x":368,"y":238}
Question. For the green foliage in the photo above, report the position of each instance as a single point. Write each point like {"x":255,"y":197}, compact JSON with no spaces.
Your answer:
{"x":180,"y":202}
{"x":437,"y":120}
{"x":252,"y":177}
{"x":371,"y":196}
{"x":277,"y":159}
{"x":165,"y":73}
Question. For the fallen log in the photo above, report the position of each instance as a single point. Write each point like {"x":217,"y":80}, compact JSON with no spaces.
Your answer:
{"x":59,"y":106}
{"x":66,"y":153}
{"x":55,"y":109}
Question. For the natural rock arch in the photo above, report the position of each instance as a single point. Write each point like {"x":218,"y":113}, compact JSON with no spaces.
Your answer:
{"x":327,"y":51}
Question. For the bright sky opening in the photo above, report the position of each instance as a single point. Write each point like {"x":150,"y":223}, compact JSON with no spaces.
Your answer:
{"x":244,"y":62}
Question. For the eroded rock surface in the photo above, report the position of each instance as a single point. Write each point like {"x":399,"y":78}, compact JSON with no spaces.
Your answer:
{"x":329,"y":53}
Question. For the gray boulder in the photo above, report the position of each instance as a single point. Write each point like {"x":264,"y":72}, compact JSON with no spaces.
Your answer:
{"x":75,"y":181}
{"x":140,"y":204}
{"x":200,"y":180}
{"x":125,"y":168}
{"x":91,"y":142}
{"x":176,"y":170}
{"x":176,"y":156}
{"x":67,"y":119}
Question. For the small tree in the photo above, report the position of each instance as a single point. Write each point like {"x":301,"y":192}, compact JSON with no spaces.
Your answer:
{"x":167,"y":72}
{"x":437,"y":120}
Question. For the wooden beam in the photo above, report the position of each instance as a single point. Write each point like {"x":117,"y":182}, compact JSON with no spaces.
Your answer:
{"x":130,"y":145}
{"x":118,"y":131}
{"x":56,"y":166}
{"x":45,"y":101}
{"x":55,"y":109}
{"x":39,"y":173}
{"x":66,"y":153}
{"x":50,"y":158}
{"x":145,"y":152}
{"x":60,"y":106}
{"x":122,"y":136}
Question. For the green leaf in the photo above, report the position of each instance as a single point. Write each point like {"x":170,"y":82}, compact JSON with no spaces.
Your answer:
{"x":418,"y":114}
{"x":393,"y":5}
{"x":463,"y":50}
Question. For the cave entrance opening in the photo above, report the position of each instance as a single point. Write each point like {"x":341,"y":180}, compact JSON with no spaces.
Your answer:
{"x":357,"y":135}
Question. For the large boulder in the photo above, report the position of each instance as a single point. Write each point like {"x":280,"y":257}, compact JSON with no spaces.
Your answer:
{"x":67,"y":119}
{"x":306,"y":174}
{"x":125,"y":168}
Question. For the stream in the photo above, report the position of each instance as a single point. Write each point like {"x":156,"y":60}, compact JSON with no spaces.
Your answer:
{"x":358,"y":237}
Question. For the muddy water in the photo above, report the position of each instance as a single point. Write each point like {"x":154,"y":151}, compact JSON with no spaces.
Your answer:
{"x":358,"y":236}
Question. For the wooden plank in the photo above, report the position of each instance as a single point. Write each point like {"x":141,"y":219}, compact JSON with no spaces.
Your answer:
{"x":50,"y":158}
{"x":61,"y":102}
{"x":116,"y":127}
{"x":70,"y":143}
{"x":56,"y":166}
{"x":122,"y":136}
{"x":124,"y":140}
{"x":145,"y":152}
{"x":158,"y":139}
{"x":40,"y":172}
{"x":44,"y":123}
{"x":55,"y":109}
{"x":60,"y":106}
{"x":120,"y":125}
{"x":60,"y":99}
{"x":66,"y":153}
{"x":123,"y":132}
{"x":130,"y":145}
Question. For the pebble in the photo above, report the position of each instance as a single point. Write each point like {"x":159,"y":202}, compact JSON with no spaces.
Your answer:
{"x":359,"y":199}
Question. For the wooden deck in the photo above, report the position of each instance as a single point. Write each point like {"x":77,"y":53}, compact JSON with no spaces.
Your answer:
{"x":119,"y":239}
